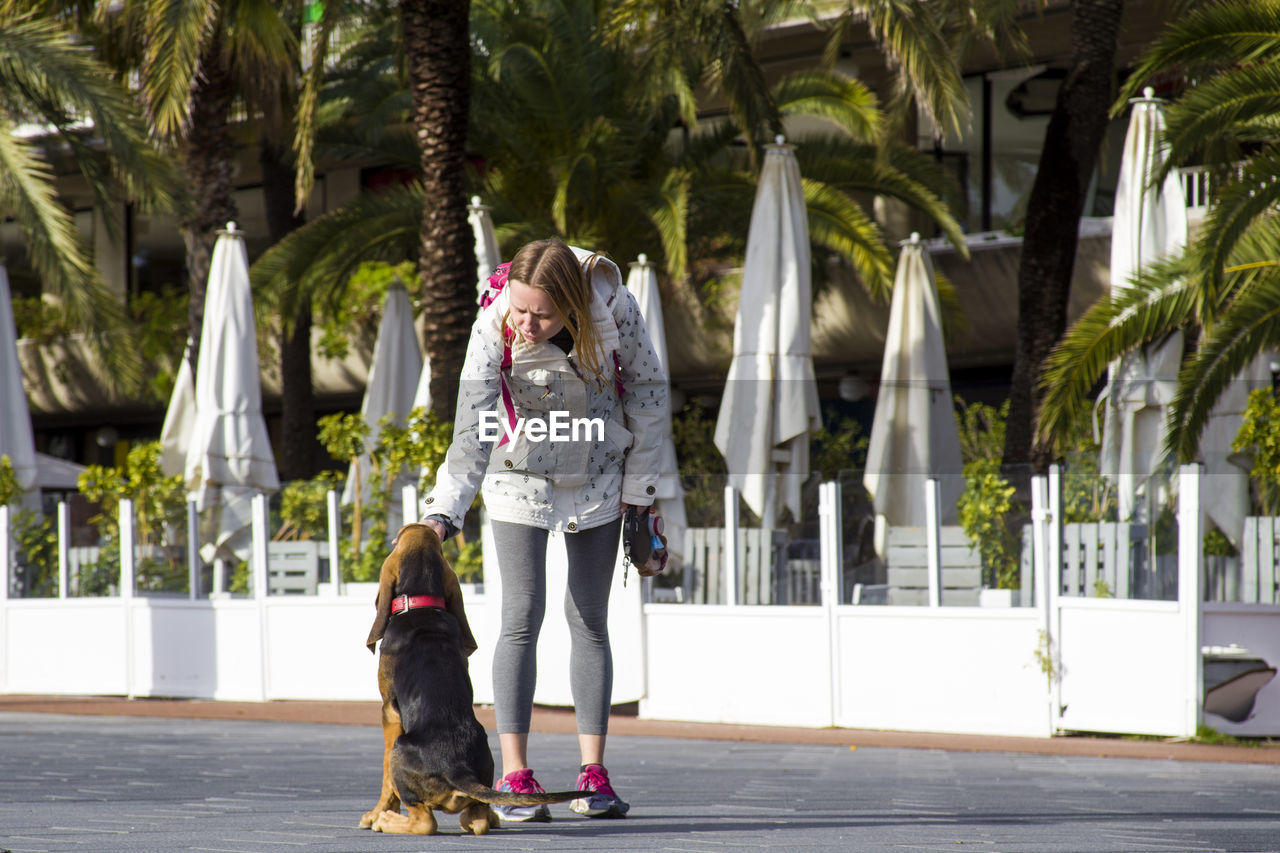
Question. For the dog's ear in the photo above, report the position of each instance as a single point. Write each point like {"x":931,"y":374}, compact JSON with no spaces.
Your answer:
{"x":386,"y":592}
{"x":453,"y":603}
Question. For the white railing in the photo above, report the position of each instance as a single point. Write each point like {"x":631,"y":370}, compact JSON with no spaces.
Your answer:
{"x":1195,"y":187}
{"x":1068,"y":662}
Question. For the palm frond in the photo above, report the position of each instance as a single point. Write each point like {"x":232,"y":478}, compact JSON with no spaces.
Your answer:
{"x":1163,"y":301}
{"x":262,"y":48}
{"x":177,"y":31}
{"x":305,"y":125}
{"x":61,"y":84}
{"x":853,"y":169}
{"x":1207,"y":38}
{"x":391,"y":146}
{"x":911,"y":36}
{"x":1236,"y":207}
{"x":1249,"y":327}
{"x":316,"y":260}
{"x":670,"y":216}
{"x":53,"y":245}
{"x":27,"y":189}
{"x":841,"y":100}
{"x":1228,"y":102}
{"x":840,"y":224}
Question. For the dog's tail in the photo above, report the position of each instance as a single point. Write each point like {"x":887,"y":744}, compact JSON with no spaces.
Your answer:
{"x":477,"y":791}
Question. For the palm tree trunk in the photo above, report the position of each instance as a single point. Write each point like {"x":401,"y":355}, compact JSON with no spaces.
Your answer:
{"x":436,"y":34}
{"x":208,"y":163}
{"x":299,"y":447}
{"x":1067,"y":162}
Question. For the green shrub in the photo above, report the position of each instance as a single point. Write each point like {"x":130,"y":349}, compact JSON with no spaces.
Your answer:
{"x":840,"y":449}
{"x":703,"y":474}
{"x":35,"y":538}
{"x":304,"y":507}
{"x":1259,"y":436}
{"x":987,"y":508}
{"x":420,"y":445}
{"x":160,"y":513}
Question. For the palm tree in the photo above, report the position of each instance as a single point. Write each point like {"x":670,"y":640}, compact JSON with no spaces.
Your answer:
{"x":197,"y":64}
{"x":1225,"y":289}
{"x":437,"y":56}
{"x":54,"y":86}
{"x":194,"y":62}
{"x":1073,"y":139}
{"x":574,"y":144}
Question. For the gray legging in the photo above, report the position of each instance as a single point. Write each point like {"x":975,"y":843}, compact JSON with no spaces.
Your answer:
{"x":522,"y":559}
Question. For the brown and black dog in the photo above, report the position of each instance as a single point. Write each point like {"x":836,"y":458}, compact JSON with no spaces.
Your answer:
{"x":436,"y":754}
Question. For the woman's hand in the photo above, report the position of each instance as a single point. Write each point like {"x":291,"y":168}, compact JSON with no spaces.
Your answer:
{"x":437,"y":527}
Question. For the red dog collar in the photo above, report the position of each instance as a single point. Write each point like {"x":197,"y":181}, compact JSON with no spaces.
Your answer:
{"x":401,"y":603}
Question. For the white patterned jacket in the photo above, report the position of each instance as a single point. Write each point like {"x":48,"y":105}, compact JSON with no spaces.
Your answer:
{"x":568,"y":485}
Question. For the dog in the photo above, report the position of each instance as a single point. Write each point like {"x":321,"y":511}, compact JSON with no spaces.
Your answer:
{"x":436,"y":754}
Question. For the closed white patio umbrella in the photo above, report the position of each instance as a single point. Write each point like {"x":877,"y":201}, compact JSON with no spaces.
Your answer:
{"x":642,"y":281}
{"x":16,"y":438}
{"x":914,"y":436}
{"x":770,"y":403}
{"x":1150,"y":223}
{"x":229,"y":459}
{"x":179,"y":418}
{"x":488,"y":259}
{"x":487,"y":256}
{"x":390,"y":389}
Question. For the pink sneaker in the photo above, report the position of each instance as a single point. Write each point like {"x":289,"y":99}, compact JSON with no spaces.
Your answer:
{"x":522,"y":782}
{"x":602,"y":802}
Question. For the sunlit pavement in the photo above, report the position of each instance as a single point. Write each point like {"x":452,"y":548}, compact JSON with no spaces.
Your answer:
{"x":82,"y":783}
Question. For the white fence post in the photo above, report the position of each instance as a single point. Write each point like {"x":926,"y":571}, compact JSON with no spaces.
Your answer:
{"x":933,"y":540}
{"x":831,"y":563}
{"x":261,"y":580}
{"x":64,"y":549}
{"x":1053,"y":590}
{"x":194,"y":563}
{"x":6,"y":555}
{"x":1041,"y":519}
{"x":1039,"y":543}
{"x":127,"y":582}
{"x":335,"y":529}
{"x":64,"y":562}
{"x":258,"y":554}
{"x":731,"y":545}
{"x":830,"y":543}
{"x":127,"y":556}
{"x":408,"y":505}
{"x":1190,"y":599}
{"x":6,"y":542}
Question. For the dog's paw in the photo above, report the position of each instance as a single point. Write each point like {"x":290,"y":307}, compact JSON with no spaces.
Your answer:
{"x":389,"y":821}
{"x":367,"y":819}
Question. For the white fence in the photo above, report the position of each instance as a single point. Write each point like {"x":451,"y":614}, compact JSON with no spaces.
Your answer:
{"x":1062,"y":661}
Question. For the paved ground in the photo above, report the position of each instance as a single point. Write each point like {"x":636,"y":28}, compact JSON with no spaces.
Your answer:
{"x":148,"y":781}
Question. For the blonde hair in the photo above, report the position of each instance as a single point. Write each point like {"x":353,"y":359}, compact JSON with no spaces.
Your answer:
{"x":552,"y":267}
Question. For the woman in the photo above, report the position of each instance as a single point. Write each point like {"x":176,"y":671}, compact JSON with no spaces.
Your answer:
{"x":559,"y":414}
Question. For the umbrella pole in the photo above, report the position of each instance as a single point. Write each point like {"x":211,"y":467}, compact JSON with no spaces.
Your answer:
{"x":769,"y":512}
